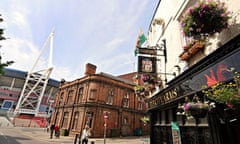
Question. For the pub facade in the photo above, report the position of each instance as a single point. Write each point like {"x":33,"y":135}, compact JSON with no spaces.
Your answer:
{"x":199,"y":66}
{"x":221,"y":125}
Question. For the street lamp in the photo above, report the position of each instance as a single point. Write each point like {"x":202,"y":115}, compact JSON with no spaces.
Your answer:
{"x":105,"y":116}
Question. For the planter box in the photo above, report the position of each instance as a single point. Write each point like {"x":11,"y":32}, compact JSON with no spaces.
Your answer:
{"x":185,"y":56}
{"x":195,"y":48}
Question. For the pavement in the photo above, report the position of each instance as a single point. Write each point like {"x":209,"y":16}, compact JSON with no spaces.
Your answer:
{"x":42,"y":135}
{"x":5,"y":122}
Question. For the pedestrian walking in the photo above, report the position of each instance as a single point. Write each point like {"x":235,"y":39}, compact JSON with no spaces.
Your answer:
{"x":85,"y":134}
{"x":52,"y":127}
{"x":57,"y":131}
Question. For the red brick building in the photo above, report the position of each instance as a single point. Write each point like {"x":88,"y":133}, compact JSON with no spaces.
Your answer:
{"x":88,"y":99}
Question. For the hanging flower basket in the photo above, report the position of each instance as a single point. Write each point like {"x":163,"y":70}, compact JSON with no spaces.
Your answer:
{"x":194,"y":108}
{"x":140,"y":90}
{"x":191,"y":49}
{"x":149,"y":78}
{"x":197,"y":110}
{"x":205,"y":18}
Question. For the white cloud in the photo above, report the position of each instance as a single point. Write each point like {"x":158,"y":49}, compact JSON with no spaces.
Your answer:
{"x":21,"y":51}
{"x":19,"y":20}
{"x":19,"y":46}
{"x":62,"y":73}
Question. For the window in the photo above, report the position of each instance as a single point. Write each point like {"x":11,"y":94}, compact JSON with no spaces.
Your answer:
{"x":70,"y":97}
{"x":75,"y":120}
{"x":110,"y":97}
{"x":65,"y":120}
{"x":126,"y":101}
{"x":61,"y":98}
{"x":93,"y":94}
{"x":80,"y":95}
{"x":89,"y":116}
{"x":140,"y":103}
{"x":125,"y":121}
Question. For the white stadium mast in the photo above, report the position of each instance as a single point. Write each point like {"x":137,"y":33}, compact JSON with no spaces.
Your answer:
{"x":35,"y":84}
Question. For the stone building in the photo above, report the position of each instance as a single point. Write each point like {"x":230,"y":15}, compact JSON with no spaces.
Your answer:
{"x":100,"y":100}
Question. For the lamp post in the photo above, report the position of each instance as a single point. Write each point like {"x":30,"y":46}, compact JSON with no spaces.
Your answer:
{"x":105,"y":130}
{"x":106,"y":116}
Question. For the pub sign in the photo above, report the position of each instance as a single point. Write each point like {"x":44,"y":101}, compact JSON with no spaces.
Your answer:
{"x":146,"y":64}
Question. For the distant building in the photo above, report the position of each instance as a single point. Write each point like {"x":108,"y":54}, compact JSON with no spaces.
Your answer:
{"x":99,"y":99}
{"x":11,"y":85}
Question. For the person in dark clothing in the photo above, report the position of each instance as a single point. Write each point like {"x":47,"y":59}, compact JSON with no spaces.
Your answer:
{"x":52,"y":130}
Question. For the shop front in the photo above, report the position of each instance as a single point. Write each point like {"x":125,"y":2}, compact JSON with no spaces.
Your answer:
{"x":220,"y":125}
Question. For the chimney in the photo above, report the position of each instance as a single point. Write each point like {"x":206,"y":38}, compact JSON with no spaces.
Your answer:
{"x":90,"y":69}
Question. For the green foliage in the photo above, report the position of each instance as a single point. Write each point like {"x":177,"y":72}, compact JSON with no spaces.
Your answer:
{"x":139,"y":88}
{"x":1,"y":30}
{"x":145,"y":119}
{"x":2,"y":65}
{"x":226,"y":93}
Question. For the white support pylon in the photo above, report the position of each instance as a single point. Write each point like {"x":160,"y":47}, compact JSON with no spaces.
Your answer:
{"x":35,"y":84}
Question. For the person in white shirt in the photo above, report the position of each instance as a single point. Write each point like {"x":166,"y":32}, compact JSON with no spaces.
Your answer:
{"x":85,"y":134}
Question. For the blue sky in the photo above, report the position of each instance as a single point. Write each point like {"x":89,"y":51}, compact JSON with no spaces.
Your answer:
{"x":101,"y":32}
